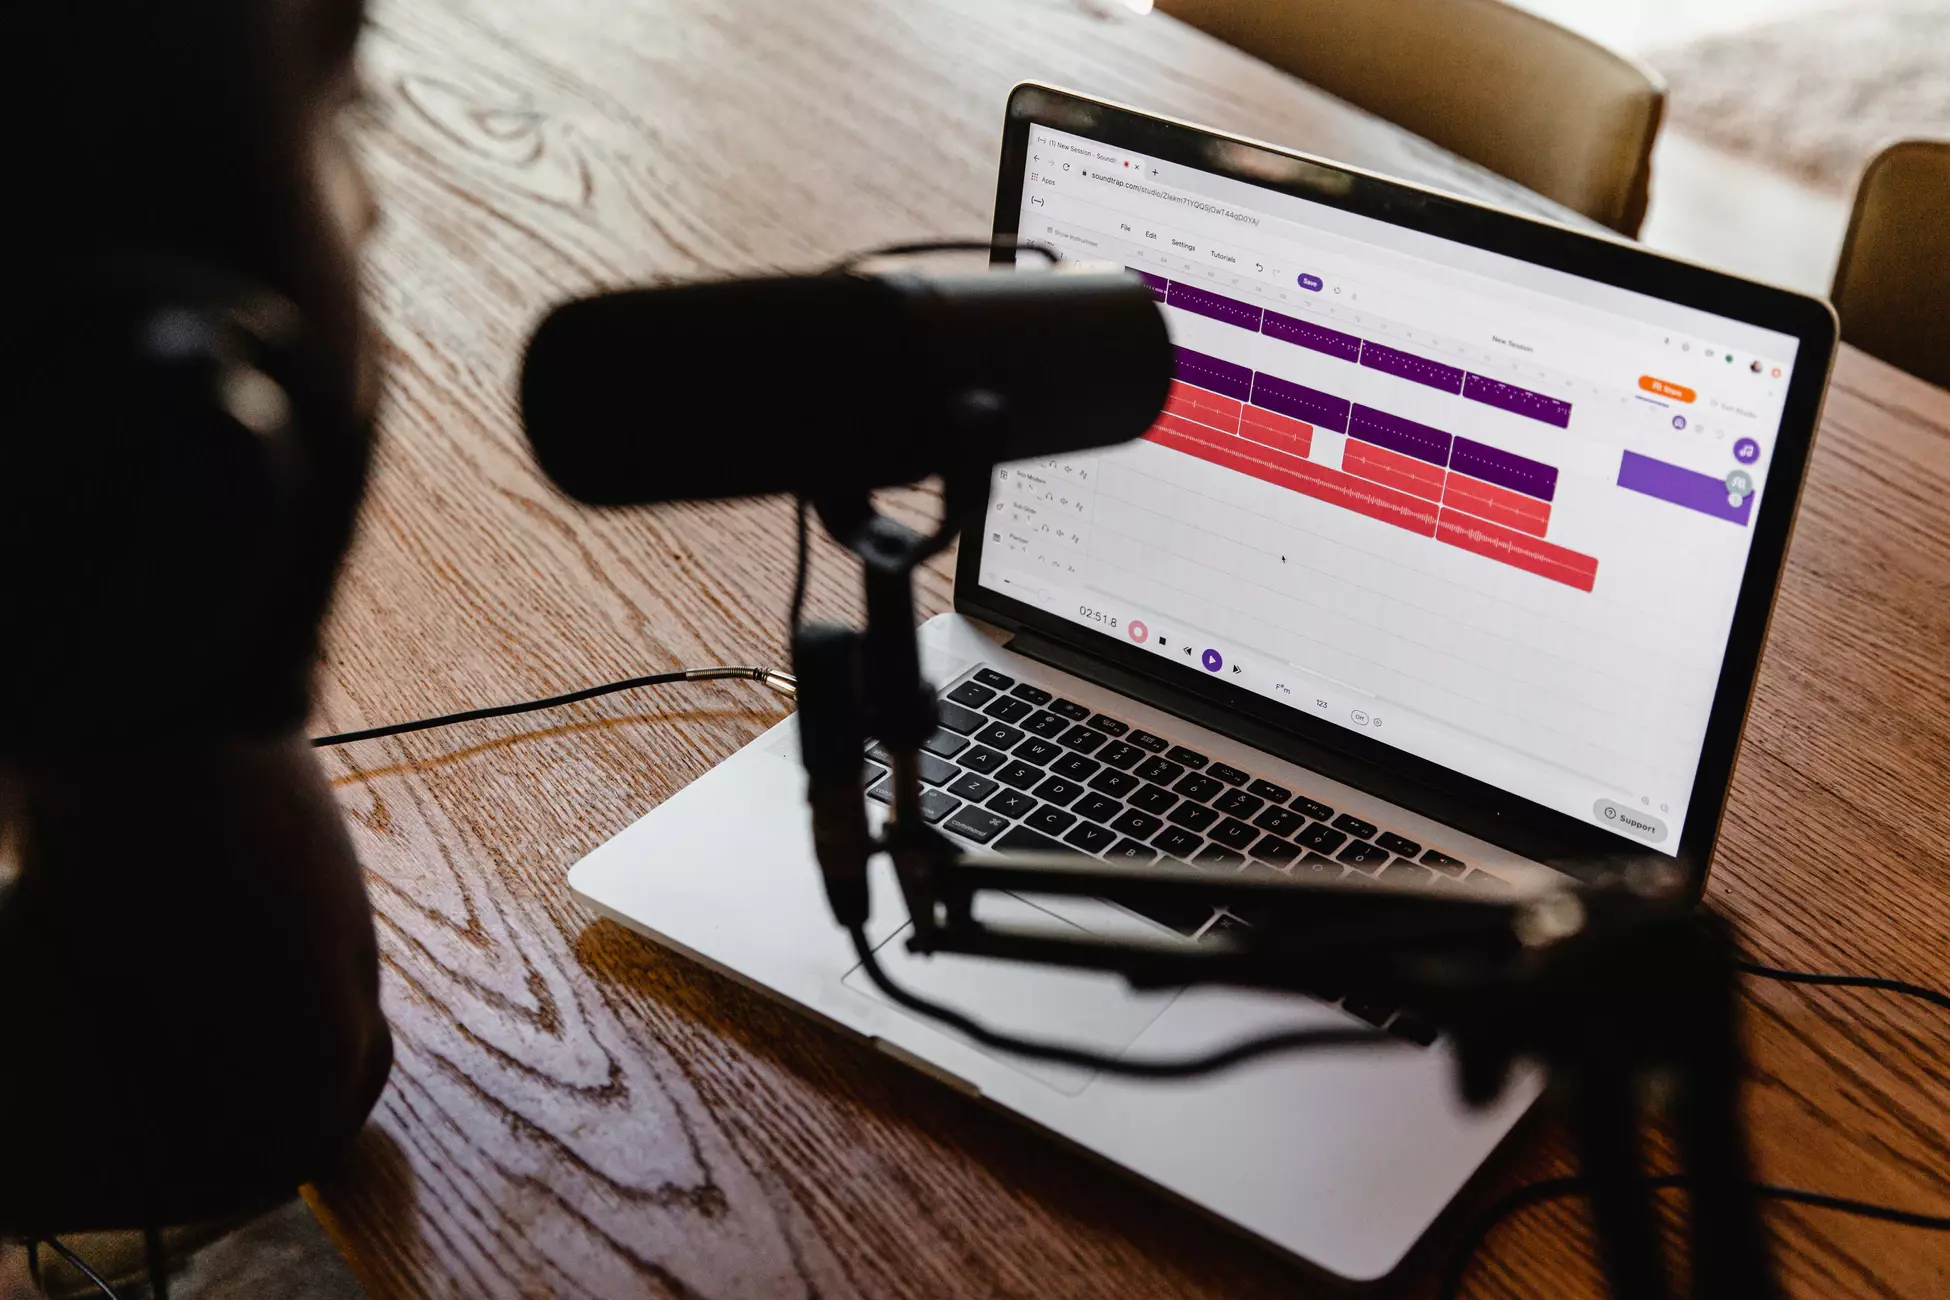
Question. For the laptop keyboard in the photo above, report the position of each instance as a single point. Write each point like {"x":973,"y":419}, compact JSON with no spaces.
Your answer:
{"x":1013,"y":767}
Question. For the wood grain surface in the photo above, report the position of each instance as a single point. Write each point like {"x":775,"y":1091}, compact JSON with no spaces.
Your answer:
{"x":577,"y":1113}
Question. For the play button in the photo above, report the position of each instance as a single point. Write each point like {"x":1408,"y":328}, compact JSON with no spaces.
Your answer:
{"x":1212,"y":661}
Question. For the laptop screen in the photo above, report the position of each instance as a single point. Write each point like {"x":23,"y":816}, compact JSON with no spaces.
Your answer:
{"x":1488,"y":513}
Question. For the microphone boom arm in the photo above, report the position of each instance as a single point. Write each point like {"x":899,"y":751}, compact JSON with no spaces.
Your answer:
{"x":1613,"y":987}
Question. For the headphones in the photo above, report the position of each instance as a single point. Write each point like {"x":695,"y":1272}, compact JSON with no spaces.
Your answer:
{"x":180,"y":462}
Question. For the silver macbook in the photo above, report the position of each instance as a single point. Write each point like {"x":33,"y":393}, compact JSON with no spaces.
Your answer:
{"x":1449,"y":561}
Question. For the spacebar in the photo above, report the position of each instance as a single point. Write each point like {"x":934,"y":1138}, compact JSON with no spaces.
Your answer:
{"x":1024,"y":840}
{"x":1184,"y":917}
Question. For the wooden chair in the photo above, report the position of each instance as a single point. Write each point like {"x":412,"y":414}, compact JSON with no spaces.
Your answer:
{"x":1498,"y":85}
{"x":1892,"y":285}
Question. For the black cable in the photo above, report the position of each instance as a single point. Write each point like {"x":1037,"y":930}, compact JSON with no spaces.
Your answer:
{"x":81,"y":1267}
{"x":1553,"y":1189}
{"x":779,"y":681}
{"x":1847,"y":981}
{"x":800,"y":568}
{"x":1180,"y":1068}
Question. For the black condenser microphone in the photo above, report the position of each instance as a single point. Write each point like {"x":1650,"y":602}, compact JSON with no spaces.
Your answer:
{"x":830,"y":383}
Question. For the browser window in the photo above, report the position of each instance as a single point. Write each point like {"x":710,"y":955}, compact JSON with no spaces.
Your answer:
{"x":1483,"y":511}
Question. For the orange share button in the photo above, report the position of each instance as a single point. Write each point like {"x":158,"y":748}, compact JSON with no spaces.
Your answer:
{"x":1677,"y":392}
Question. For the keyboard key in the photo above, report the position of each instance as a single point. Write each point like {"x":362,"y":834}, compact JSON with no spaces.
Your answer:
{"x":1109,"y":726}
{"x":1138,"y":825}
{"x":959,"y":720}
{"x":1007,"y":708}
{"x":1058,"y":791}
{"x":1315,"y":868}
{"x":1234,"y":834}
{"x":1019,"y":774}
{"x":1192,"y":816}
{"x":1070,"y":709}
{"x":1271,"y":848}
{"x":1130,"y":851}
{"x":1354,"y":826}
{"x":1153,"y":799}
{"x":970,"y":786}
{"x":1176,"y":842}
{"x":1036,"y":750}
{"x":1314,"y":808}
{"x":1412,"y":1027}
{"x":1036,"y":695}
{"x":1096,"y":808}
{"x":1486,"y":883}
{"x":1372,"y":1009}
{"x":1280,"y":821}
{"x":1083,"y":739}
{"x":937,"y":771}
{"x":1214,"y":855}
{"x":882,"y":791}
{"x":1444,"y":863}
{"x":1050,"y":820}
{"x":1119,"y":755}
{"x":1237,"y":803}
{"x":1011,"y":803}
{"x":1270,"y":792}
{"x":1403,"y":872}
{"x":983,"y":760}
{"x":972,"y":694}
{"x":1227,"y":773}
{"x":936,"y":804}
{"x":1396,"y":844}
{"x":1362,"y":855}
{"x":1114,"y":783}
{"x":1187,"y":757}
{"x":990,"y":677}
{"x":998,"y":735}
{"x":1321,"y":839}
{"x":874,"y":772}
{"x":1198,"y":786}
{"x":881,"y":752}
{"x":945,"y":743}
{"x":1021,"y":839}
{"x":1075,"y":766}
{"x":1146,"y":741}
{"x":1160,"y":771}
{"x":1090,"y":837}
{"x":1045,"y":724}
{"x":977,"y":824}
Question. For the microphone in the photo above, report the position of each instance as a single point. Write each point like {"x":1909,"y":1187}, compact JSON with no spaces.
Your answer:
{"x":836,"y":383}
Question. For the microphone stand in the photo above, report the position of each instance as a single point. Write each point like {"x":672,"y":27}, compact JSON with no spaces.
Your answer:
{"x":1614,"y":987}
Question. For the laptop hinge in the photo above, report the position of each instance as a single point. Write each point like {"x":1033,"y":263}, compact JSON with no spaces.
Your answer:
{"x":1424,"y":799}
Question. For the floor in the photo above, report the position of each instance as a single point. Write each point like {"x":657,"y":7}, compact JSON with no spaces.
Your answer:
{"x":1707,"y":205}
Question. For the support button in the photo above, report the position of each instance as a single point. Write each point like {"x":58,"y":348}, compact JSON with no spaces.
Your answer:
{"x":1630,"y":821}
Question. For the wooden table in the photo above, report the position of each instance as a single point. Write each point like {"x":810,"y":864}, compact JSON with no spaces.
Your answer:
{"x":576,"y":1113}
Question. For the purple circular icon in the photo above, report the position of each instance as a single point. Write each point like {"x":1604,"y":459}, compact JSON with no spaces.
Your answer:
{"x":1678,"y":421}
{"x":1746,"y":451}
{"x":1212,"y":661}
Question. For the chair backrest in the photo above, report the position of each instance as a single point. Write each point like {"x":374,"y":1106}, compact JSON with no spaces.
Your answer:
{"x":1500,"y":86}
{"x":1892,"y":285}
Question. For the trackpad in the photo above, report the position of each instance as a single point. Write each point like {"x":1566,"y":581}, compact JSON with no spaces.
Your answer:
{"x":1088,"y":1009}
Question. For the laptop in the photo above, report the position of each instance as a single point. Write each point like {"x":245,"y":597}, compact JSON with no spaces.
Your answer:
{"x":1449,"y":561}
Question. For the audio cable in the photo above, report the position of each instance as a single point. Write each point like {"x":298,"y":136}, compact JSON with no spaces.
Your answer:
{"x":775,"y":679}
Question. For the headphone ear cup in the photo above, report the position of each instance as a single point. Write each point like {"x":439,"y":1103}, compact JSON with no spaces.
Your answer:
{"x":181,"y":454}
